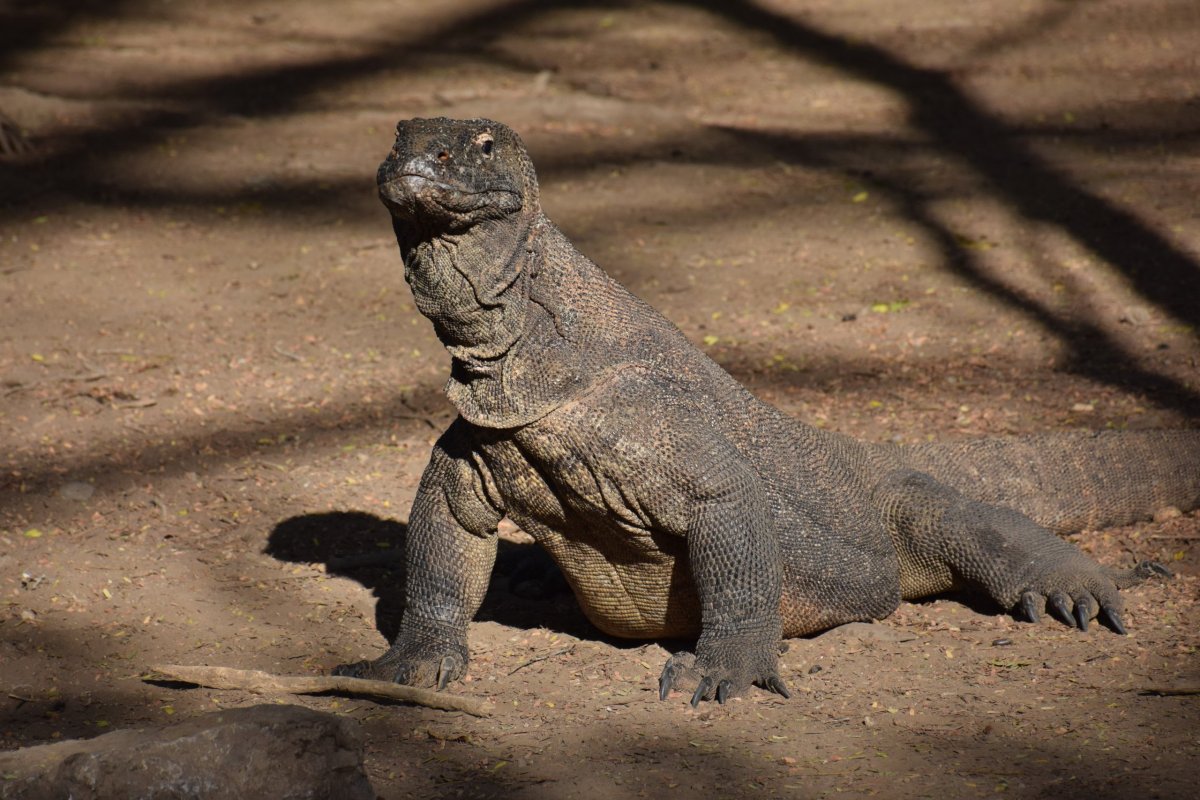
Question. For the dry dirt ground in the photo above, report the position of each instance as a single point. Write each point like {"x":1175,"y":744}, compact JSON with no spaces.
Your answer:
{"x":899,"y":219}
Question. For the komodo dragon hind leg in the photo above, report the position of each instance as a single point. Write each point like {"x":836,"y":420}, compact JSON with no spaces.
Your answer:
{"x":946,"y":540}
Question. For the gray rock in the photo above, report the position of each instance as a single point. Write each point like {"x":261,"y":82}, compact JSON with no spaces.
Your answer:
{"x":267,"y":751}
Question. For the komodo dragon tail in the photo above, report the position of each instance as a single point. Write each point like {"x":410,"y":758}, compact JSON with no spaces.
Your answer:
{"x":1072,"y":481}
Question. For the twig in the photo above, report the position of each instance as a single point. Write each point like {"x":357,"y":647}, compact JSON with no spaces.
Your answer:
{"x":561,"y":652}
{"x":21,"y":387}
{"x":12,"y":389}
{"x":144,"y":402}
{"x":286,"y":354}
{"x":265,"y":683}
{"x":1170,"y":691}
{"x":628,"y":702}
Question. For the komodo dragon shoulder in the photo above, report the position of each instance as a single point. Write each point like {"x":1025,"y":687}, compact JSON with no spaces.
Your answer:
{"x":675,"y":502}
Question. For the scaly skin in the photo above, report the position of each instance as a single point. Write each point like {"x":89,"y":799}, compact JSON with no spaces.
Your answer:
{"x":675,"y":502}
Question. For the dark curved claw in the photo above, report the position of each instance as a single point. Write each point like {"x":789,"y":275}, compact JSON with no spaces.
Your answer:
{"x":445,"y":668}
{"x":1113,"y":618}
{"x":353,"y":670}
{"x":706,"y":685}
{"x":1029,"y":606}
{"x":1060,"y":606}
{"x":775,"y":684}
{"x":723,"y":689}
{"x":1085,"y":607}
{"x":666,"y":681}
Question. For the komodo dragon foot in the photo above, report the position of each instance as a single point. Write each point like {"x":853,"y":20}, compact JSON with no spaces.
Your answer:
{"x":429,"y":673}
{"x":422,"y":658}
{"x":1072,"y":597}
{"x":947,"y":539}
{"x":723,"y":668}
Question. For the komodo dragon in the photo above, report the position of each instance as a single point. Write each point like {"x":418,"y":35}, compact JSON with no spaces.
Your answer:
{"x":675,"y":502}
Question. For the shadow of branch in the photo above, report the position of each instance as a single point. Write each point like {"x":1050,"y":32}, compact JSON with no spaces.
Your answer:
{"x":1157,"y":269}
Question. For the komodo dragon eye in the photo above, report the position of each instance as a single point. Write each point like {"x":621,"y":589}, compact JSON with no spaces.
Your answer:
{"x":486,"y":143}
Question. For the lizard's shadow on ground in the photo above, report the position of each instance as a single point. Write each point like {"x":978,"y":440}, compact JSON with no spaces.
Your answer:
{"x":527,"y":589}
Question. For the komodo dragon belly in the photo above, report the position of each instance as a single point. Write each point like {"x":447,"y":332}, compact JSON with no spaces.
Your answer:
{"x":631,"y":576}
{"x":630,"y":580}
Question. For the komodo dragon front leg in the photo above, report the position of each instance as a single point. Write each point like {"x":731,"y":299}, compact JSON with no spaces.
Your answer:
{"x":735,"y":563}
{"x":640,"y":462}
{"x":449,"y":552}
{"x":734,"y":557}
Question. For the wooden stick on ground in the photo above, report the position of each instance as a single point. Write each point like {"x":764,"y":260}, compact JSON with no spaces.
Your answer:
{"x":251,"y":680}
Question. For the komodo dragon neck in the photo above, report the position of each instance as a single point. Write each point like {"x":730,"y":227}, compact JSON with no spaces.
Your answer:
{"x":486,"y":267}
{"x":509,"y":335}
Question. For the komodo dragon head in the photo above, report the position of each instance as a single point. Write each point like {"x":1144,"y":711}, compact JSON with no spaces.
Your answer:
{"x":445,"y":176}
{"x":464,"y":202}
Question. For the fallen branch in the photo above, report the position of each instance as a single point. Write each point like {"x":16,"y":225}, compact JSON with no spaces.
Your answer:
{"x":265,"y":683}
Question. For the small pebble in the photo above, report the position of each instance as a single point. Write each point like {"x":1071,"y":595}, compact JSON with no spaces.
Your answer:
{"x":1001,"y":642}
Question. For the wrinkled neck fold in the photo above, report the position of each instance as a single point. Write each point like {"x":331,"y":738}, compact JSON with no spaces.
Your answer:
{"x":494,"y":301}
{"x":473,"y":286}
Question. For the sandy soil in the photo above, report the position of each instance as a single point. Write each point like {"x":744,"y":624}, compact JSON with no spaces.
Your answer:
{"x":902,"y":220}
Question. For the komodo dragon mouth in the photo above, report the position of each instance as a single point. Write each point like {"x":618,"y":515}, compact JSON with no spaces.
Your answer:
{"x":416,"y":197}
